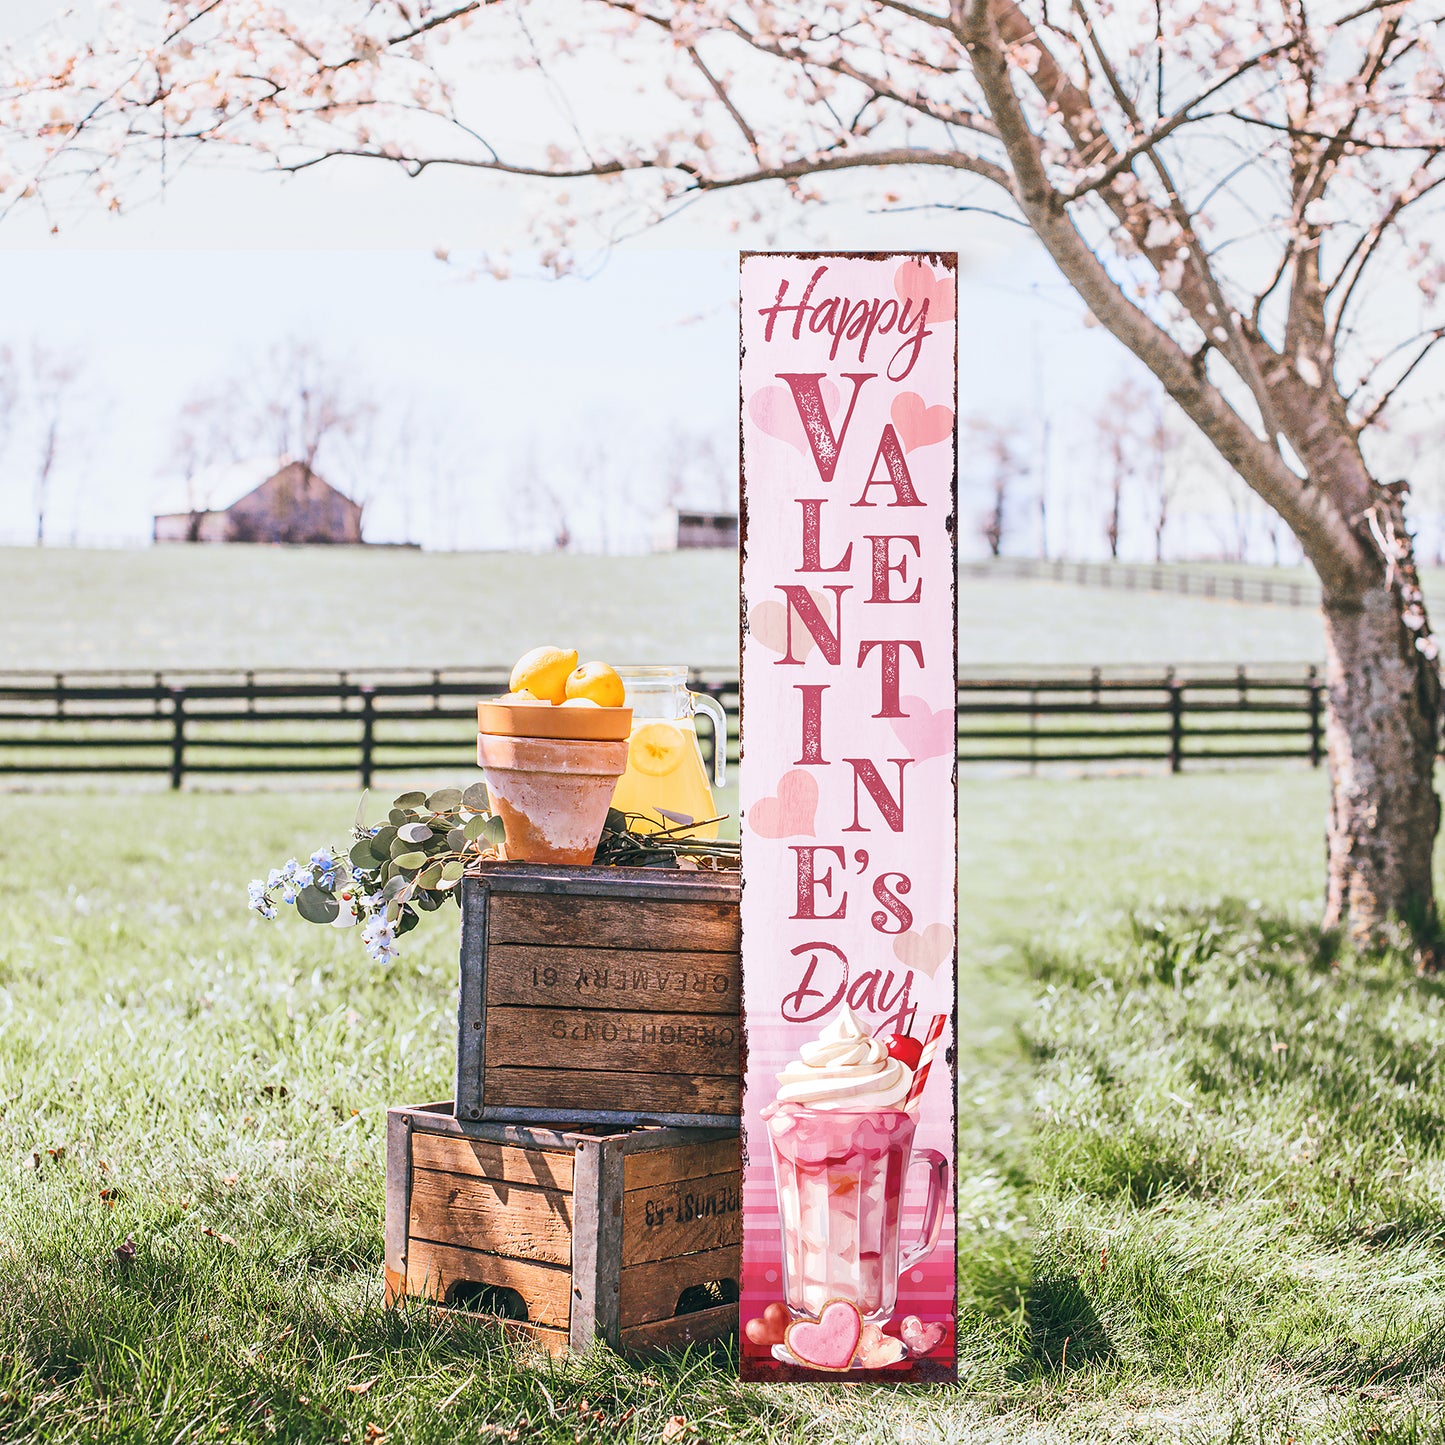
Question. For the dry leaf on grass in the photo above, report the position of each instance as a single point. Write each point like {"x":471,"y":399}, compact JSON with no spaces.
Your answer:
{"x":363,"y":1387}
{"x":374,"y":1434}
{"x":125,"y":1253}
{"x":224,"y":1238}
{"x":675,"y":1428}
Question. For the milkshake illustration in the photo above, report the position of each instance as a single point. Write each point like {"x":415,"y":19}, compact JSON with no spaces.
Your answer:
{"x":841,"y":1130}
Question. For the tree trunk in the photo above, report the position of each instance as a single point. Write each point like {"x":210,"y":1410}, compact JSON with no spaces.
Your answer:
{"x":1382,"y":729}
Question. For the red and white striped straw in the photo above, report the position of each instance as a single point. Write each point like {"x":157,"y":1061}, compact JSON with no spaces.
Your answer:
{"x":930,"y":1047}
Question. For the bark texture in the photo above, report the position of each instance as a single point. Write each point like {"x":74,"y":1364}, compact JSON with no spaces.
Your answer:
{"x":1382,"y":727}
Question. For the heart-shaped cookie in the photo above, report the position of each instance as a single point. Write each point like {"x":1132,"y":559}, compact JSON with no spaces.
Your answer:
{"x":915,"y":281}
{"x":924,"y":951}
{"x":789,"y":813}
{"x":770,"y":1327}
{"x":876,"y":1351}
{"x":917,"y":423}
{"x":919,"y":1337}
{"x":828,"y":1342}
{"x":925,"y":731}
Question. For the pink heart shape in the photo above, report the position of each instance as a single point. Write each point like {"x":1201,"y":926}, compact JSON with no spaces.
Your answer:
{"x":917,"y":423}
{"x":790,"y":812}
{"x":926,"y":733}
{"x":768,"y":622}
{"x":828,"y":1342}
{"x":876,"y":1351}
{"x":923,"y":952}
{"x":919,"y":1337}
{"x":774,"y":411}
{"x":914,"y":281}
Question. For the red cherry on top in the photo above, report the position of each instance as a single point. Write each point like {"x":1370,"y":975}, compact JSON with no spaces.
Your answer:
{"x":905,"y":1049}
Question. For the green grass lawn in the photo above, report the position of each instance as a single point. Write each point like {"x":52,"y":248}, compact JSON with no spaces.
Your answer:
{"x":242,"y":607}
{"x":1201,"y":1170}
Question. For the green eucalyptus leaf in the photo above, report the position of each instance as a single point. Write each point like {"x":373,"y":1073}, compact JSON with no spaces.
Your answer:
{"x":316,"y":905}
{"x":452,"y":872}
{"x":415,"y":833}
{"x":409,"y":860}
{"x":475,"y":827}
{"x":381,"y":843}
{"x":474,"y":799}
{"x":457,"y":839}
{"x":410,"y":800}
{"x":444,"y":800}
{"x":429,"y":876}
{"x":396,"y":817}
{"x":405,"y":922}
{"x":393,"y":887}
{"x":362,"y":857}
{"x":429,"y":902}
{"x":495,"y":832}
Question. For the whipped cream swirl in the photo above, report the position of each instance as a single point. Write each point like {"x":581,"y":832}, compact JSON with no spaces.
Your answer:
{"x":845,"y":1069}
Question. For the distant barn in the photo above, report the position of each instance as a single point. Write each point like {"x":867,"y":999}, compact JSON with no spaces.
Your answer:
{"x":293,"y":505}
{"x":707,"y":529}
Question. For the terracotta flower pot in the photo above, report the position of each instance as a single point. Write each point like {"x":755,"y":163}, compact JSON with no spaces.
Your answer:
{"x":551,"y":794}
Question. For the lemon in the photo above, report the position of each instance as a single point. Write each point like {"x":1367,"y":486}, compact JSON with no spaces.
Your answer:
{"x":518,"y":697}
{"x":598,"y":683}
{"x":543,"y":672}
{"x":657,"y":748}
{"x":580,"y":702}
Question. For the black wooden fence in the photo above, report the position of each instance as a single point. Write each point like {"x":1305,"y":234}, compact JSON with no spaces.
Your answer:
{"x":176,"y":725}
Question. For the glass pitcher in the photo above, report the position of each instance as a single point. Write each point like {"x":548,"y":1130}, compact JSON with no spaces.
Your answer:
{"x":664,"y":762}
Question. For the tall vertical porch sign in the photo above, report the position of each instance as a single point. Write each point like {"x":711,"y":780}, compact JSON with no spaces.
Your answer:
{"x":848,"y":396}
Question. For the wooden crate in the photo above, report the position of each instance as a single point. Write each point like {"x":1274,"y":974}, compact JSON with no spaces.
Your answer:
{"x":632,"y":1237}
{"x":599,"y":995}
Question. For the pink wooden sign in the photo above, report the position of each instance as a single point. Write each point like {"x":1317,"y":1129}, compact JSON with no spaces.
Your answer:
{"x":849,"y":381}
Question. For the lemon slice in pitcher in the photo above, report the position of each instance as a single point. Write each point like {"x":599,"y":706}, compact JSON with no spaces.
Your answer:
{"x":657,"y":748}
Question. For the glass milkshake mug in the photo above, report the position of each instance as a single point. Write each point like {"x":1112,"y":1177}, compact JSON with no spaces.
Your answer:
{"x":841,"y":1177}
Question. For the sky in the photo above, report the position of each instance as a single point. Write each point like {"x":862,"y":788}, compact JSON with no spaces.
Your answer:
{"x":508,"y":402}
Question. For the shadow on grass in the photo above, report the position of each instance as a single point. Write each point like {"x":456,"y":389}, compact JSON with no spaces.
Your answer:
{"x":1064,"y":1331}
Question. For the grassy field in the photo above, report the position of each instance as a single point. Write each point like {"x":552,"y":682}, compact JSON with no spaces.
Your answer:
{"x":345,"y":608}
{"x":1201,"y":1169}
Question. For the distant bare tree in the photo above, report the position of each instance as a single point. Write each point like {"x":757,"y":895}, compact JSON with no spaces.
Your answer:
{"x":50,"y":399}
{"x":1135,"y":438}
{"x":1000,"y":445}
{"x":297,"y":402}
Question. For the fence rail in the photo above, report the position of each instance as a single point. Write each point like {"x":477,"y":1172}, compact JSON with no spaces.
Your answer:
{"x":175,"y":725}
{"x":1145,"y":577}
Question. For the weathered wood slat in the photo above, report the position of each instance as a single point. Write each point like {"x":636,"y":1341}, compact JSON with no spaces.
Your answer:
{"x":516,"y":1220}
{"x":456,"y":1154}
{"x":634,"y":1043}
{"x":646,"y":1168}
{"x":650,"y":1291}
{"x":435,"y":1270}
{"x":690,"y":927}
{"x":714,"y":1324}
{"x":613,"y":978}
{"x":686,"y":1216}
{"x":642,"y":1094}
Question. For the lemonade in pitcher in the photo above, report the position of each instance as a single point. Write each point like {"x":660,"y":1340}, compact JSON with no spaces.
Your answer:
{"x":665,"y":771}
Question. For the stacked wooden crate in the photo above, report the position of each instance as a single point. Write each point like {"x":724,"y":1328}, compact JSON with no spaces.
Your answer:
{"x":586,"y":1181}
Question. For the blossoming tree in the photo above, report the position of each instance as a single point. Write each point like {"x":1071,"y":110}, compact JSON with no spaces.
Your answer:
{"x":1239,"y":192}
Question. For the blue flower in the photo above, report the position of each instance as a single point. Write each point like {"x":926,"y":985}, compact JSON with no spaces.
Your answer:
{"x":257,"y":898}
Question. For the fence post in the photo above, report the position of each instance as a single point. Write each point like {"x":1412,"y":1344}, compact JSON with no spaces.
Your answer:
{"x":178,"y":736}
{"x":1316,"y":711}
{"x":1176,"y":725}
{"x":368,"y":734}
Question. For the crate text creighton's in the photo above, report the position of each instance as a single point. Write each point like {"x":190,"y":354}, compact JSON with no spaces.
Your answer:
{"x":848,"y":396}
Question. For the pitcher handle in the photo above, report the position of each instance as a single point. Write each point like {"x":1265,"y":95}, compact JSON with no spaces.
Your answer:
{"x":704,"y":702}
{"x":932,"y":1209}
